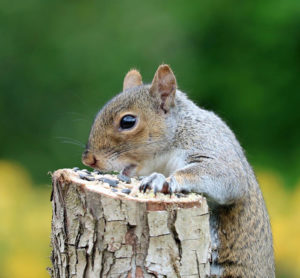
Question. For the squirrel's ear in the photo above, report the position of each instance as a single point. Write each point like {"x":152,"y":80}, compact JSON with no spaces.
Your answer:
{"x":133,"y":78}
{"x":164,"y":87}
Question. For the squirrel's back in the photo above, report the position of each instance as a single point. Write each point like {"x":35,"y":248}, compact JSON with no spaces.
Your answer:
{"x":241,"y":231}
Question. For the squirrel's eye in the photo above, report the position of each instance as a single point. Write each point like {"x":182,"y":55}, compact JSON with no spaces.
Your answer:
{"x":127,"y":122}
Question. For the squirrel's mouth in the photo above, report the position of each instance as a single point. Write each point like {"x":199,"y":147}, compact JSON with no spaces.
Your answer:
{"x":129,"y":170}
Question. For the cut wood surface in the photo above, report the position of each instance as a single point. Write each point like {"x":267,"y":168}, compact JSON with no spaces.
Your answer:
{"x":102,"y":226}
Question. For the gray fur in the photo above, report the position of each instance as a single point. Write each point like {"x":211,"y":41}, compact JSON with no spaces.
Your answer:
{"x":194,"y":150}
{"x":215,"y":165}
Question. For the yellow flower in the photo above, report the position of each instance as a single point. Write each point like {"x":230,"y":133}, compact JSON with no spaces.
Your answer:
{"x":25,"y":229}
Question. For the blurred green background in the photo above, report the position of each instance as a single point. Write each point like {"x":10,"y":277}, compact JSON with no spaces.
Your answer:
{"x":60,"y":61}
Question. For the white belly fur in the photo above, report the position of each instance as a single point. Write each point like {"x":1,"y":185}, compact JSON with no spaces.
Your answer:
{"x":166,"y":163}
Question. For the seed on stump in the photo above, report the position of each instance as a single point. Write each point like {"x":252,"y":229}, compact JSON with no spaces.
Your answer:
{"x":89,"y":178}
{"x":82,"y":175}
{"x":126,"y":190}
{"x":112,"y":183}
{"x":124,"y":178}
{"x":97,"y":172}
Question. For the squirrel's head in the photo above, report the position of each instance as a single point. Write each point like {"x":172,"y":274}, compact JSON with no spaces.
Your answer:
{"x":131,"y":128}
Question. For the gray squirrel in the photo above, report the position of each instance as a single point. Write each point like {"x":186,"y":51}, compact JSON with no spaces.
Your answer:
{"x":156,"y":131}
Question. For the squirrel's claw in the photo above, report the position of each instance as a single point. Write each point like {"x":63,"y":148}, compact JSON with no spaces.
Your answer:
{"x":157,"y":182}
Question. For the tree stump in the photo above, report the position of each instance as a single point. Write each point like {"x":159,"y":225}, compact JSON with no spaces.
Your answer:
{"x":100,"y":230}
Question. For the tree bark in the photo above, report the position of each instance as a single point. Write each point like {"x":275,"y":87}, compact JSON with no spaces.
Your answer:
{"x":99,"y":233}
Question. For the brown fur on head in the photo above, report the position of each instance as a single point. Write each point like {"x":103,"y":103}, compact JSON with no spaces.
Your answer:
{"x":111,"y":147}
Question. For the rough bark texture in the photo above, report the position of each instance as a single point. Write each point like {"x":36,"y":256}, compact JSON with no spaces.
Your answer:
{"x":98,"y":235}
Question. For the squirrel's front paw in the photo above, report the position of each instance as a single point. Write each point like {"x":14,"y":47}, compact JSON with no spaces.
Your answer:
{"x":157,"y":182}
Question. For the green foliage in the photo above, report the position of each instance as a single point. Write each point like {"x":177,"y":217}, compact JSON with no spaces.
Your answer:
{"x":62,"y":60}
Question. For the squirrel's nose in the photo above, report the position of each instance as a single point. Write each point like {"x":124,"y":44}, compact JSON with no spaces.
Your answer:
{"x":89,"y":159}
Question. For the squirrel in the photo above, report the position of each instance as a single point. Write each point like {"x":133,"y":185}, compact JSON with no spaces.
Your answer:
{"x":157,"y":132}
